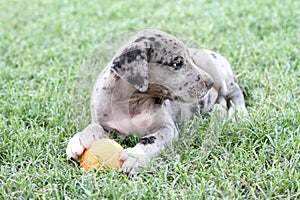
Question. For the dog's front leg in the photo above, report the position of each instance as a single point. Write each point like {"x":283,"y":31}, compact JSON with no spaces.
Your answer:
{"x":148,"y":147}
{"x":82,"y":140}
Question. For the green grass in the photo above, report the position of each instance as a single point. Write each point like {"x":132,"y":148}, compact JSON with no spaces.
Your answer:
{"x":43,"y":45}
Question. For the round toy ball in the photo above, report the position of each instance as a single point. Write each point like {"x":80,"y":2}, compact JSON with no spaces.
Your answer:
{"x":102,"y":154}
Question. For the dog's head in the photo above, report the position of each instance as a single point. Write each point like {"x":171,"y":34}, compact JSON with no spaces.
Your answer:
{"x":154,"y":58}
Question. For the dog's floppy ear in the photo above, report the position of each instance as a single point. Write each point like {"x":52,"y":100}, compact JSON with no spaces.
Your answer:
{"x":131,"y":64}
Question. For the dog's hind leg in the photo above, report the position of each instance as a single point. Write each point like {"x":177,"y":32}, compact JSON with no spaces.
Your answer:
{"x":235,"y":100}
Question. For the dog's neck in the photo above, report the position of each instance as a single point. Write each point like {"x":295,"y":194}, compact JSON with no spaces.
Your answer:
{"x":130,"y":108}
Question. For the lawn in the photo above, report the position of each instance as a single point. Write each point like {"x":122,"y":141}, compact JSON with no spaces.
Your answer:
{"x":45,"y":83}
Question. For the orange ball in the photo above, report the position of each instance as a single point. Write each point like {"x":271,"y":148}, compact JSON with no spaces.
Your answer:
{"x":102,"y":154}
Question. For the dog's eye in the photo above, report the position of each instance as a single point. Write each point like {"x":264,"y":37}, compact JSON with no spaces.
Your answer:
{"x":177,"y":62}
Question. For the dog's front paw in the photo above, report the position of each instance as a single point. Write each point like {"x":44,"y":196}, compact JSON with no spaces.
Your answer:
{"x":133,"y":158}
{"x":75,"y":148}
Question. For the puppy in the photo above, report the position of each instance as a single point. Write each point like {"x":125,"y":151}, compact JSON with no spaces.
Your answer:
{"x":153,"y":82}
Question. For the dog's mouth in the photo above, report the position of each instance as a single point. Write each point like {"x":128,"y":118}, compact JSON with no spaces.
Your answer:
{"x":159,"y":91}
{"x":191,"y":98}
{"x":162,"y":93}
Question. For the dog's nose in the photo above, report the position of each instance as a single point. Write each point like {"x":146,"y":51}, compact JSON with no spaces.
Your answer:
{"x":209,"y":83}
